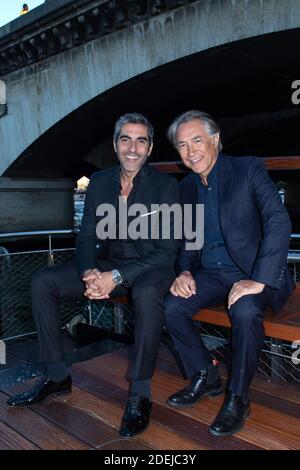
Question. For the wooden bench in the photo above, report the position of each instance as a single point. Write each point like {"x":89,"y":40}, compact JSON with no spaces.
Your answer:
{"x":272,"y":164}
{"x":284,"y":325}
{"x":280,"y":328}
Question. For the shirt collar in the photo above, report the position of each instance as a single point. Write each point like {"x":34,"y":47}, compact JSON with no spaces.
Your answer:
{"x":212,"y":176}
{"x":141,"y":175}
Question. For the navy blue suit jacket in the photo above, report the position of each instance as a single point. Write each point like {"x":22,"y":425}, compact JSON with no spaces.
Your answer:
{"x":254,"y":222}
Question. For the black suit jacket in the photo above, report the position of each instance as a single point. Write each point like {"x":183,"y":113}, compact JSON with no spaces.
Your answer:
{"x":151,"y":187}
{"x":255,"y":225}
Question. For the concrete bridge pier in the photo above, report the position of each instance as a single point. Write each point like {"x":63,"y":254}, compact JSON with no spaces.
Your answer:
{"x":36,"y":204}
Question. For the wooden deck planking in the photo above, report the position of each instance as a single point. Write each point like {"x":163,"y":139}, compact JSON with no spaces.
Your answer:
{"x":284,"y":392}
{"x":37,"y":429}
{"x":70,"y":413}
{"x":107,"y":411}
{"x":188,"y":430}
{"x":89,"y":417}
{"x":10,"y":439}
{"x":285,"y":433}
{"x":108,"y":404}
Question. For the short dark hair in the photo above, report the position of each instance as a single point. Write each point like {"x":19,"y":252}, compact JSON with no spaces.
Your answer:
{"x":133,"y":118}
{"x":208,"y":122}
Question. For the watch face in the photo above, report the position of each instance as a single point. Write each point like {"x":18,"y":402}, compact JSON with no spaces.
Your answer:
{"x":117,"y":277}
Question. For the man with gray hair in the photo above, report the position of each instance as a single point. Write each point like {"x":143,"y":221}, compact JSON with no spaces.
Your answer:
{"x":242,"y":263}
{"x":142,"y":267}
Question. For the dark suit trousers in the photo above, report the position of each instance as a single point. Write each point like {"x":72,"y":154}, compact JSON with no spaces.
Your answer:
{"x":247,"y":330}
{"x":49,"y":285}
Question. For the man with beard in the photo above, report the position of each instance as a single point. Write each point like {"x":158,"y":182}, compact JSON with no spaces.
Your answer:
{"x":143,"y":267}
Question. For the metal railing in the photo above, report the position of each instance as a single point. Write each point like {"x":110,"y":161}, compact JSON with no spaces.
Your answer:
{"x":16,"y":270}
{"x":276,"y":357}
{"x":16,"y":319}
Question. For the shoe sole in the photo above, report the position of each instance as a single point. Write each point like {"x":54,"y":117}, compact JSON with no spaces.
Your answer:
{"x":213,"y":394}
{"x":230,"y":433}
{"x":54,"y":394}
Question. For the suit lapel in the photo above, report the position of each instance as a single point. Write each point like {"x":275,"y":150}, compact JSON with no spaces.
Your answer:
{"x":190,"y":194}
{"x":114,"y":187}
{"x":141,"y":196}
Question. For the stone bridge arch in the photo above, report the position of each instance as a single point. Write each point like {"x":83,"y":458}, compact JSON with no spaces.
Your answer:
{"x":51,"y":100}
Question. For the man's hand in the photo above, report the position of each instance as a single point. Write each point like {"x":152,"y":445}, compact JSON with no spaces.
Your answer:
{"x":244,"y":287}
{"x":90,"y":276}
{"x":184,"y":285}
{"x":100,"y":287}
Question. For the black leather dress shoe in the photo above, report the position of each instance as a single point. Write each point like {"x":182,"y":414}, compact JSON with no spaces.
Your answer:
{"x":41,"y":389}
{"x":231,"y":417}
{"x":136,"y":415}
{"x":206,"y":382}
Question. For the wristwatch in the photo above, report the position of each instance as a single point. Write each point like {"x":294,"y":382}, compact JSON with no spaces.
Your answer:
{"x":117,"y":278}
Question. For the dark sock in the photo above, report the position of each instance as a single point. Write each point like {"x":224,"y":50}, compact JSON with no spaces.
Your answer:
{"x":57,"y":371}
{"x":212,"y":373}
{"x":141,"y":387}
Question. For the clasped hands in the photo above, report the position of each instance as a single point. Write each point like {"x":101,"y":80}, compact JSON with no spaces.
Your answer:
{"x":184,"y":286}
{"x":98,"y":284}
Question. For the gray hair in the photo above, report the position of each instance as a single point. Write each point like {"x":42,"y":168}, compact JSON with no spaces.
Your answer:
{"x":133,"y":118}
{"x":208,"y":122}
